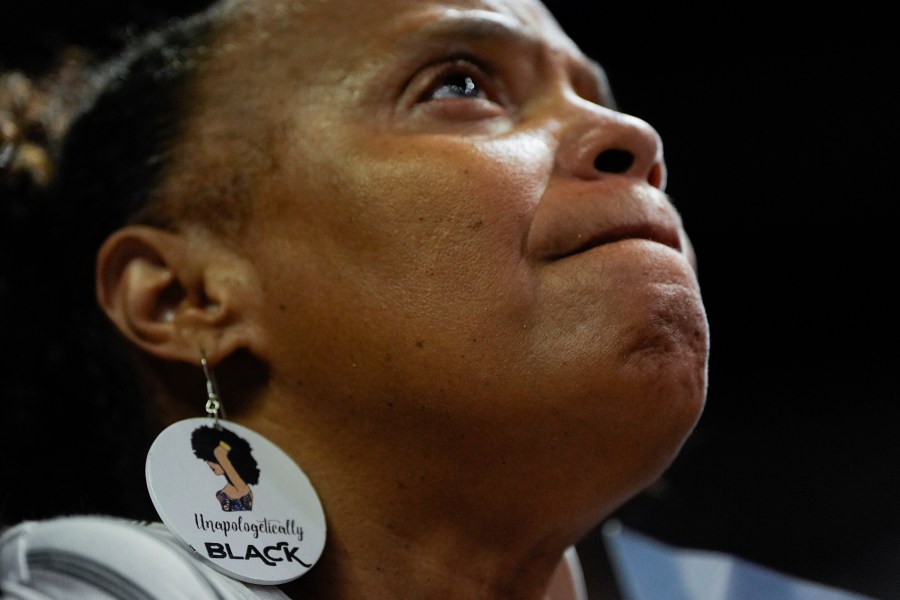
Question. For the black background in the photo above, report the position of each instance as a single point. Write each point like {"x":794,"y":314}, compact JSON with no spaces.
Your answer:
{"x":780,"y":137}
{"x":781,"y":141}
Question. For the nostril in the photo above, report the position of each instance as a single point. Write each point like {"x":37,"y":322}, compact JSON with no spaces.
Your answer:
{"x":614,"y":160}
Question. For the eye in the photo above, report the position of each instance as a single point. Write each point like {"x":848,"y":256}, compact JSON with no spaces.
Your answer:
{"x":459,"y":80}
{"x":457,"y":85}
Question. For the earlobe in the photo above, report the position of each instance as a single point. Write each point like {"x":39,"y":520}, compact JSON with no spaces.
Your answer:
{"x":153,"y":285}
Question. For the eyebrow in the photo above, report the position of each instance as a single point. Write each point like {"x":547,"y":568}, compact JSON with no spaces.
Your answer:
{"x":475,"y":26}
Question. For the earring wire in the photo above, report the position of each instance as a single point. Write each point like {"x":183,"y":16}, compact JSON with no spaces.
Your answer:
{"x":213,"y":403}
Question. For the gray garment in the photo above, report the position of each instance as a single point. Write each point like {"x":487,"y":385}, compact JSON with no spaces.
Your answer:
{"x":106,"y":558}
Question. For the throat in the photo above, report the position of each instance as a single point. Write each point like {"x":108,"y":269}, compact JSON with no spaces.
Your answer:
{"x":334,"y":582}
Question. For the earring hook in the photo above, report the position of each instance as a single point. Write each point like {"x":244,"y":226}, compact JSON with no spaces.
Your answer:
{"x":213,"y":402}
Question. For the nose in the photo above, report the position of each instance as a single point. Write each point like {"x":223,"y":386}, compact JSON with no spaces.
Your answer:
{"x":599,"y":142}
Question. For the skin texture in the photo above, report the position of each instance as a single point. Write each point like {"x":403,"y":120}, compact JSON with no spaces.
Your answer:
{"x":475,"y":342}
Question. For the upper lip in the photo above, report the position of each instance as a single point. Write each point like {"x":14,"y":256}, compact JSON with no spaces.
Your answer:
{"x":564,"y":226}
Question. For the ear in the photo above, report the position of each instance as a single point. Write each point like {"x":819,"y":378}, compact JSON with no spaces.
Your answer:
{"x":175,"y":294}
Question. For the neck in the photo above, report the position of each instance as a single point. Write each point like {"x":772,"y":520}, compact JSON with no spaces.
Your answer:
{"x":441,"y":571}
{"x":427,"y":549}
{"x":416,"y":524}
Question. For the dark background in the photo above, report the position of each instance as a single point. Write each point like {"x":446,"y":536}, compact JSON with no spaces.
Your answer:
{"x":781,"y":137}
{"x":781,"y":141}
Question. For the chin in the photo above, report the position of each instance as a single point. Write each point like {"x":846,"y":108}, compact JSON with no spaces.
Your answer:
{"x":656,"y":400}
{"x":669,"y":399}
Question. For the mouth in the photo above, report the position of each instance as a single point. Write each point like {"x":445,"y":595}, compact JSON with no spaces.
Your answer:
{"x":633,"y":231}
{"x":571,"y":222}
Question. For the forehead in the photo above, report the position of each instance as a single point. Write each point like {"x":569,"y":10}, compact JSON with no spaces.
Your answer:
{"x":308,"y":64}
{"x":327,"y":32}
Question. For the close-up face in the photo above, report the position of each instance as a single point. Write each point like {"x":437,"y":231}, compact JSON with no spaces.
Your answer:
{"x":215,"y":467}
{"x":453,"y":231}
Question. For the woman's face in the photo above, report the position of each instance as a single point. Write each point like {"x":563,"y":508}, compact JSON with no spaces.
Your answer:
{"x":215,"y":467}
{"x":433,"y":243}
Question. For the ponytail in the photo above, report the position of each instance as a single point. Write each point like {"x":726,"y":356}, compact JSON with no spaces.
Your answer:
{"x":81,"y":151}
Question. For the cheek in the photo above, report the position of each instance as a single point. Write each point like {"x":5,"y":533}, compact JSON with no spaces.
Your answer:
{"x":451,"y":210}
{"x":409,"y":249}
{"x":501,"y":181}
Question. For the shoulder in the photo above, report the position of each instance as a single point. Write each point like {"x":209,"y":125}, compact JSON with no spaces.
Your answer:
{"x":648,"y":568}
{"x":100,"y":557}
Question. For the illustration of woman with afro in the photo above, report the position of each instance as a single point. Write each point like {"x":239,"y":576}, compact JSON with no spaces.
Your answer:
{"x":230,"y":455}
